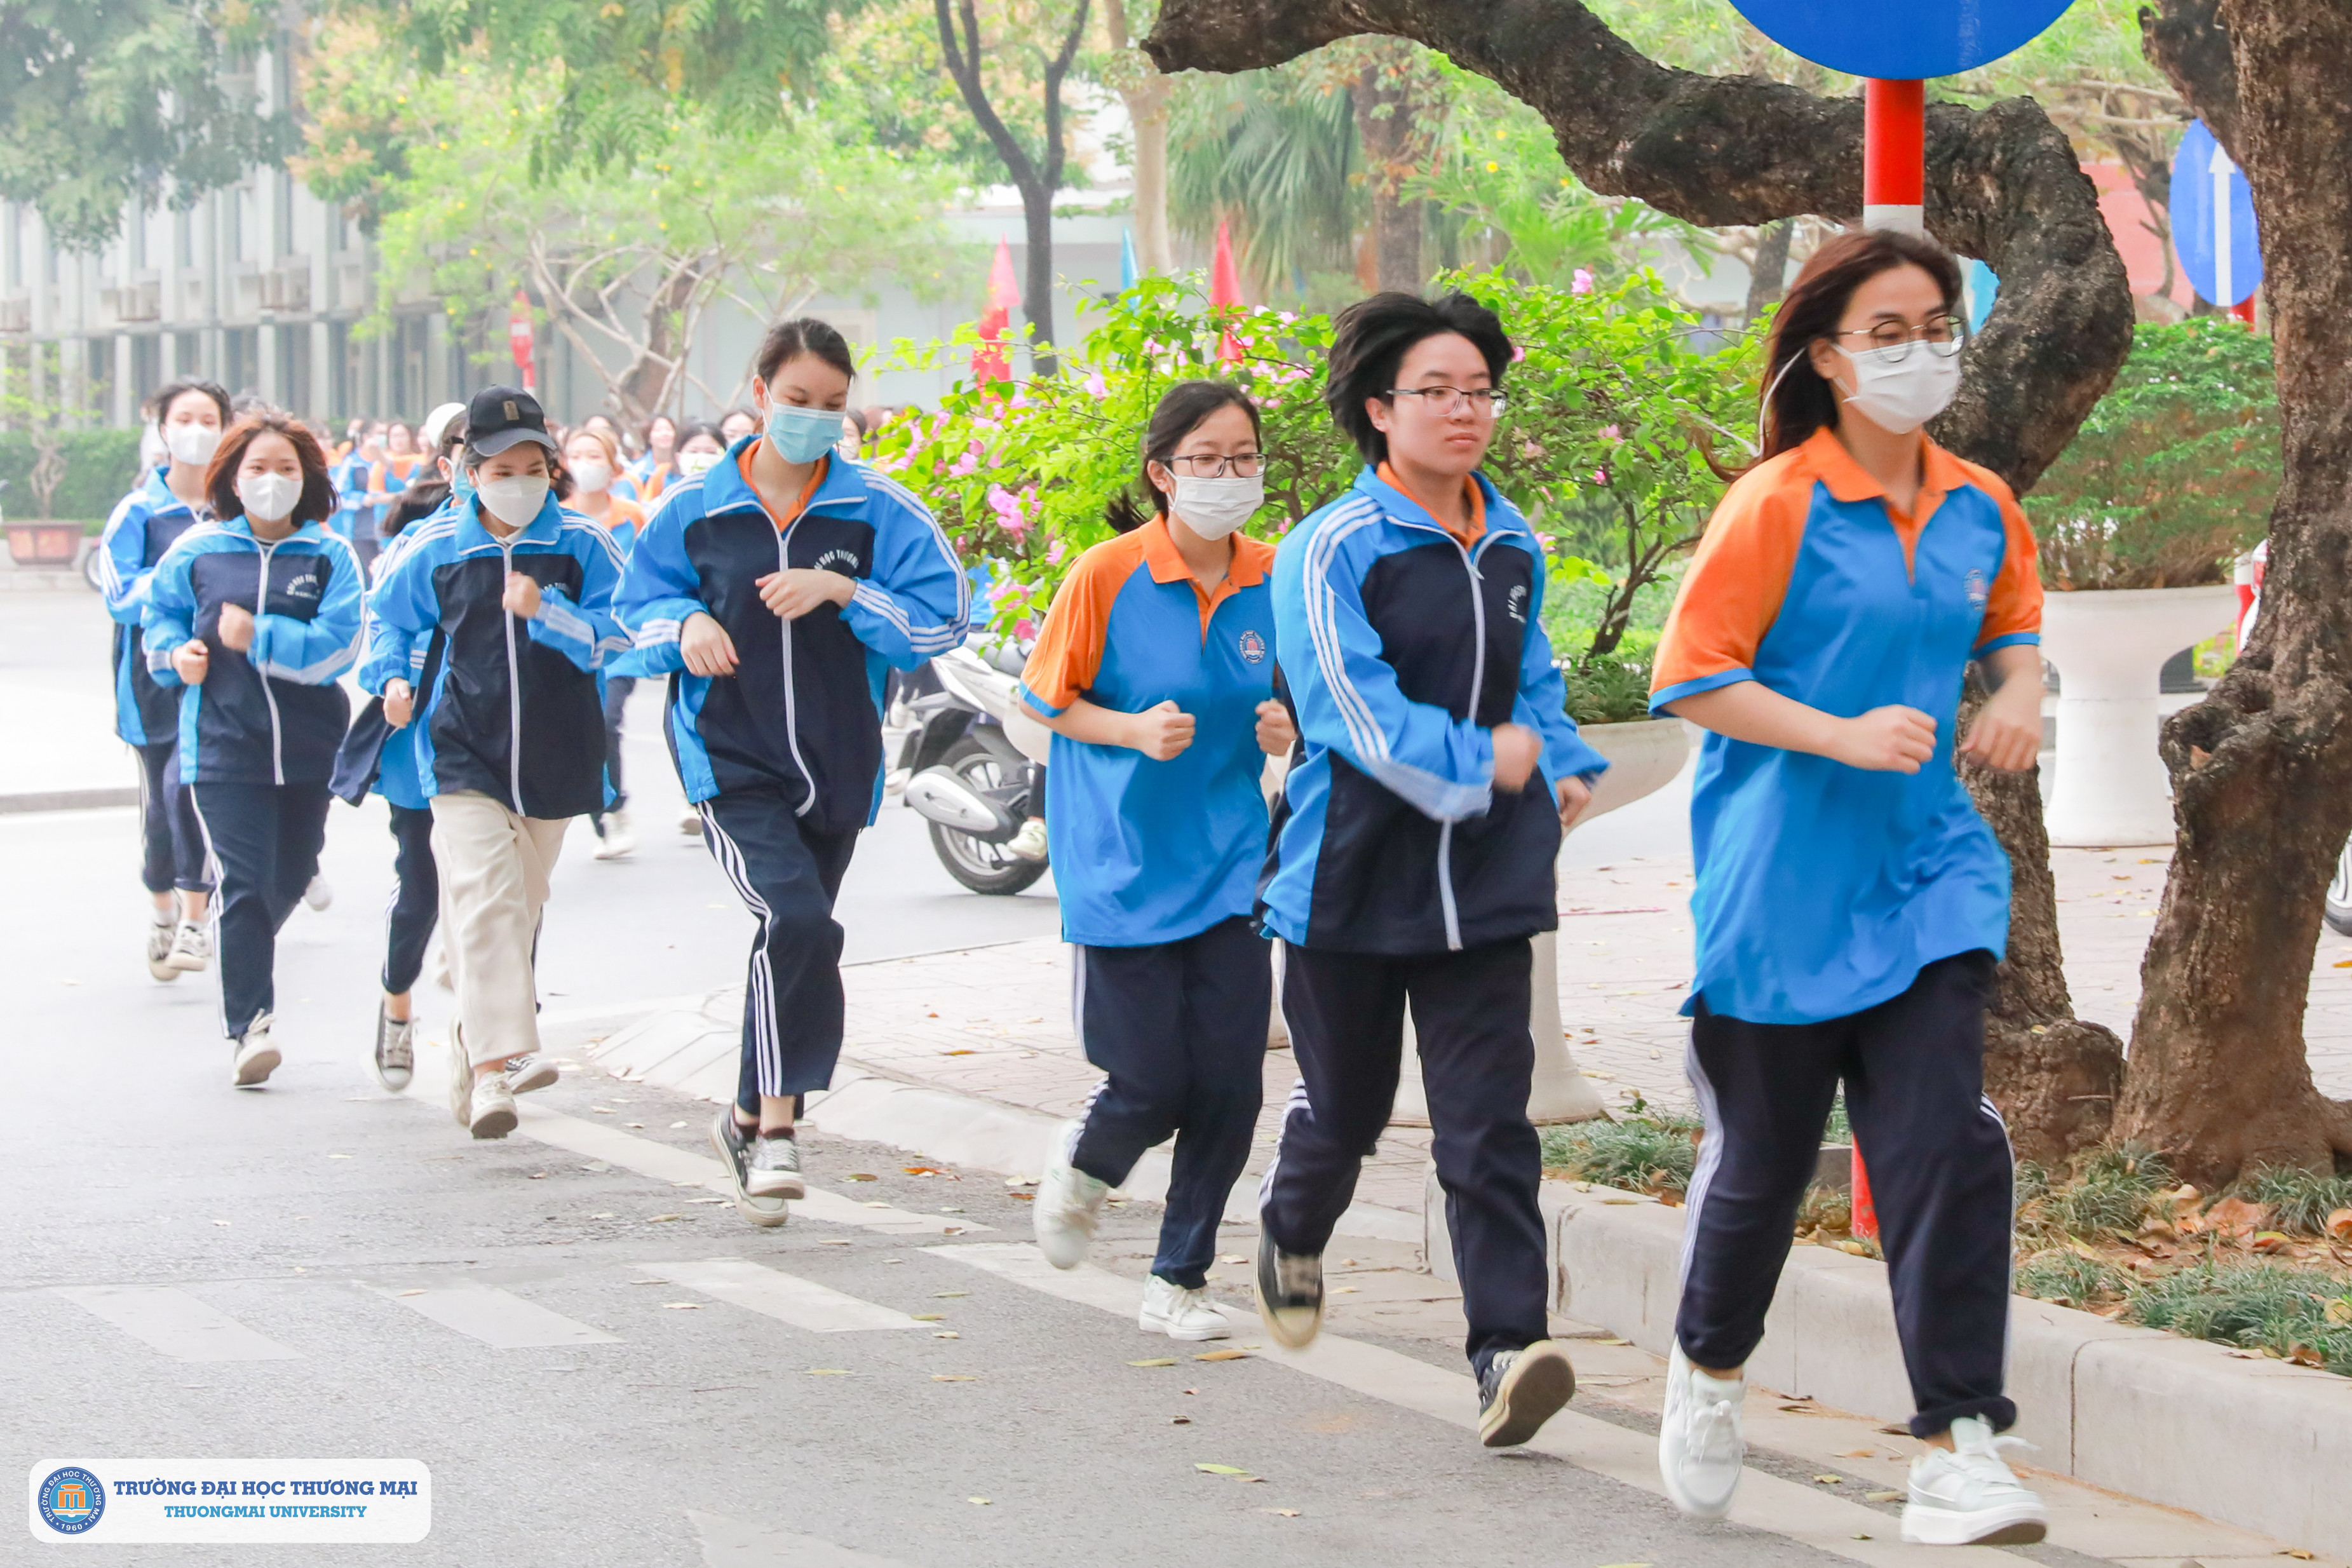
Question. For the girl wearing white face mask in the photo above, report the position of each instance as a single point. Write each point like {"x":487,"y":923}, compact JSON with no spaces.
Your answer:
{"x":189,"y":417}
{"x":593,"y":461}
{"x":1850,"y":904}
{"x":256,"y":615}
{"x":1156,"y":673}
{"x":512,"y":596}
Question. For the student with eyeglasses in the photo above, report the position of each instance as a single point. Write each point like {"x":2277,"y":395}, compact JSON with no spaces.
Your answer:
{"x":1413,"y":853}
{"x":1850,"y":902}
{"x":1155,"y":673}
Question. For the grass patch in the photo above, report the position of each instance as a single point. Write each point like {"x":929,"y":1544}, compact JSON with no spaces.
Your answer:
{"x":2115,"y":1189}
{"x":1652,"y":1154}
{"x":2299,"y":1201}
{"x":2068,"y":1277}
{"x":2254,"y":1306}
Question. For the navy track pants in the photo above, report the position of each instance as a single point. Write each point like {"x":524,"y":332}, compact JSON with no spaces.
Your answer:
{"x":265,"y":842}
{"x":172,"y":847}
{"x":1180,"y":1029}
{"x":1940,"y":1172}
{"x":415,"y":906}
{"x":1346,"y":1013}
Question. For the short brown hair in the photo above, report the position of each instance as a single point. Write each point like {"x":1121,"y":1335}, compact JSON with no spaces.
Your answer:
{"x":317,"y":502}
{"x":1796,"y":400}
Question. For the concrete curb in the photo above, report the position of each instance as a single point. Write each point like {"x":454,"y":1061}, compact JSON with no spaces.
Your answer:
{"x":70,"y":799}
{"x":2252,"y":1442}
{"x":694,"y":1049}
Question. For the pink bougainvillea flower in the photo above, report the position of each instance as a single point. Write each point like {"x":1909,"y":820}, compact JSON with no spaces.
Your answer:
{"x":1025,"y":629}
{"x":1609,"y":432}
{"x":1055,"y":551}
{"x":1583,"y":283}
{"x":1096,"y":385}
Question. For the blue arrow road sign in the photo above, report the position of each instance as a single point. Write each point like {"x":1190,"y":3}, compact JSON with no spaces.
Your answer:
{"x":2213,"y":221}
{"x":1901,"y":40}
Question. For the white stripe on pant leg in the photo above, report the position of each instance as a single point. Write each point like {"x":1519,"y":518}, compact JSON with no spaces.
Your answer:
{"x":1068,"y":1137}
{"x":2001,"y":1122}
{"x":767,"y":1045}
{"x":212,"y":910}
{"x":1297,"y":1100}
{"x":1710,"y":1150}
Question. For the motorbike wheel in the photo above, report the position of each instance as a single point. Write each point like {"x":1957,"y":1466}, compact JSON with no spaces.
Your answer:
{"x":2339,"y":895}
{"x":983,"y":867}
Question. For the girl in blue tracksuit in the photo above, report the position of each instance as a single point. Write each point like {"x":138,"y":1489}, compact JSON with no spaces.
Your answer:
{"x":191,"y":416}
{"x":1156,"y":673}
{"x":517,"y":593}
{"x":255,"y":614}
{"x":775,"y":590}
{"x":1413,"y":855}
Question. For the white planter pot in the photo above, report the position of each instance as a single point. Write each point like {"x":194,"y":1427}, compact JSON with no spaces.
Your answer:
{"x":2109,"y":648}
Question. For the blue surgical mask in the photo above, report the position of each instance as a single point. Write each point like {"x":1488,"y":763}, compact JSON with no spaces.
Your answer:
{"x":461,"y":483}
{"x":801,"y":434}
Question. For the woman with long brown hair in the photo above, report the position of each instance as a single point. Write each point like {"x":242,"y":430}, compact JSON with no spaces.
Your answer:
{"x":1850,"y":902}
{"x":253,"y":614}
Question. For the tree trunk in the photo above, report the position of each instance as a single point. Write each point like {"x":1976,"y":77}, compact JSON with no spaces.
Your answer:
{"x":2261,"y":770}
{"x":1037,"y":291}
{"x":644,"y":388}
{"x":2003,"y":185}
{"x":1384,"y":124}
{"x":1771,"y":269}
{"x":1146,"y":95}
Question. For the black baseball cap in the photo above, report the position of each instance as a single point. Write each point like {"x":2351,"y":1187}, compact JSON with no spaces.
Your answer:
{"x":503,"y":416}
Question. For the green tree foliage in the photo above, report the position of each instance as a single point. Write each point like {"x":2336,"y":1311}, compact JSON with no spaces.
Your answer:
{"x":2174,"y":472}
{"x":105,"y":101}
{"x":1274,"y":153}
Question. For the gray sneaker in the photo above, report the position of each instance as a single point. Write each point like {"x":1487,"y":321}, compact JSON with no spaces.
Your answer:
{"x":493,"y":1109}
{"x":525,"y":1073}
{"x":734,"y":1145}
{"x":395,"y":1050}
{"x":773,"y":1169}
{"x":1520,"y":1390}
{"x":1289,"y":1293}
{"x":255,"y":1058}
{"x":191,"y":948}
{"x":159,"y":949}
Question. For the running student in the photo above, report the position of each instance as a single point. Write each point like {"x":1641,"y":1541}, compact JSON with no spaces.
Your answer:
{"x":593,"y":460}
{"x":1154,"y":672}
{"x":1849,"y":903}
{"x":658,"y":466}
{"x":510,"y":740}
{"x":775,"y":591}
{"x":255,"y":614}
{"x":190,"y":415}
{"x":1413,"y":855}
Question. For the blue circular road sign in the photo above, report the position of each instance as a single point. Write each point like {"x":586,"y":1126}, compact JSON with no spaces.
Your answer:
{"x":1902,"y":42}
{"x":2200,"y":172}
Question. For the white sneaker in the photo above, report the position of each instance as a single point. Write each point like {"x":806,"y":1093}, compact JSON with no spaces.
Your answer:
{"x":528,"y":1072}
{"x":1181,"y":1314}
{"x":192,"y":949}
{"x":160,"y":935}
{"x":1969,"y":1497}
{"x":493,"y":1109}
{"x":1029,"y":844}
{"x":1069,"y":1205}
{"x":394,"y":1061}
{"x":255,"y":1058}
{"x":319,"y":894}
{"x":690,"y":822}
{"x":1700,"y":1446}
{"x":619,"y":836}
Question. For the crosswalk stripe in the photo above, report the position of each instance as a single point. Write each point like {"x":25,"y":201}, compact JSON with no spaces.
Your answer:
{"x":803,"y":1303}
{"x":175,"y":1322}
{"x":499,"y":1319}
{"x":1767,"y":1504}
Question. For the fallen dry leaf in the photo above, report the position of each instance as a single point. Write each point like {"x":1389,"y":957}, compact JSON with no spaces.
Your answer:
{"x":943,"y":1295}
{"x":1220,"y":1469}
{"x":861,"y":1176}
{"x":928,"y":1317}
{"x":947,"y":1334}
{"x":979,"y":1501}
{"x":1859,"y":1454}
{"x":1220,"y":1355}
{"x":1283,"y":1512}
{"x":2338,"y":1310}
{"x":682,"y":1305}
{"x":1827,"y":1481}
{"x":922,"y":1170}
{"x":664,"y":1218}
{"x":2236,"y":1219}
{"x":953,"y":1377}
{"x":2339,"y":1225}
{"x":1180,"y":1421}
{"x":828,"y":1372}
{"x":1883,"y":1497}
{"x":412,"y":1292}
{"x":1155,"y":1361}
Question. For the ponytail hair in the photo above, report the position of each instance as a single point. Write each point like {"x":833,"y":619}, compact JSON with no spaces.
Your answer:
{"x":1181,"y":408}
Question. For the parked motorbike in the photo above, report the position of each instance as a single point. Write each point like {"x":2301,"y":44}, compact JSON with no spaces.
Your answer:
{"x":974,"y":766}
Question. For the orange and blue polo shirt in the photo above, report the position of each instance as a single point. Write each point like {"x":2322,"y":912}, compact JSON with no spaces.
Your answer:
{"x":1823,"y":890}
{"x":1146,"y":852}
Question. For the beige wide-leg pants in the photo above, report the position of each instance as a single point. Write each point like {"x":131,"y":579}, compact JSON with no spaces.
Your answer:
{"x":495,"y":864}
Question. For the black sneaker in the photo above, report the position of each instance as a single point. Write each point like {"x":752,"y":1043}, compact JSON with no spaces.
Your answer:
{"x":729,"y":1137}
{"x":773,"y":1169}
{"x":1289,"y":1293}
{"x":1520,"y":1390}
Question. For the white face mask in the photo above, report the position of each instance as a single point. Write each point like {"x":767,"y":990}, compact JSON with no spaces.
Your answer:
{"x":1900,"y":396}
{"x":693,"y":463}
{"x":192,"y":444}
{"x":268,"y":498}
{"x":513,"y":502}
{"x":1214,"y":508}
{"x":594,"y":477}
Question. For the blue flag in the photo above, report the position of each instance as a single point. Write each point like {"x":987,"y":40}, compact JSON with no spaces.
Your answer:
{"x":1126,"y":260}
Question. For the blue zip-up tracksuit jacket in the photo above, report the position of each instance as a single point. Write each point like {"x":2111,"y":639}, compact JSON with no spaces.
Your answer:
{"x":351,"y":512}
{"x":1402,"y":650}
{"x":512,"y":710}
{"x":375,"y":757}
{"x":274,"y":713}
{"x":803,"y":712}
{"x":144,"y":524}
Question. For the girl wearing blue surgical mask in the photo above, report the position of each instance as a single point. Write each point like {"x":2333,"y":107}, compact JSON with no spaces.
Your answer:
{"x":776,"y":590}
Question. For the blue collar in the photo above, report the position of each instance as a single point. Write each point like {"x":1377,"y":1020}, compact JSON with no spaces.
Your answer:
{"x":473,"y":535}
{"x":842,"y":493}
{"x":160,"y":498}
{"x":1502,"y":517}
{"x":242,"y":526}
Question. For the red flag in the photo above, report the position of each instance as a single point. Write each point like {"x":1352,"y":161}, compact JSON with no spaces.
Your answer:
{"x":989,"y":363}
{"x":1225,"y":290}
{"x":519,"y":339}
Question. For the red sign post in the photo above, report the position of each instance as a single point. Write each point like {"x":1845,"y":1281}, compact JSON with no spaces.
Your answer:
{"x":522,"y":342}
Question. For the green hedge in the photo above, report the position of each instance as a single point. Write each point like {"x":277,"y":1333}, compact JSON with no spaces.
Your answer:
{"x":101,"y":466}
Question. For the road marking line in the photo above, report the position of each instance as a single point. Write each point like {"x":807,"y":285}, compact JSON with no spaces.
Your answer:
{"x":1765,"y":1503}
{"x":803,"y":1303}
{"x":175,"y":1322}
{"x":663,"y":1161}
{"x":499,"y":1319}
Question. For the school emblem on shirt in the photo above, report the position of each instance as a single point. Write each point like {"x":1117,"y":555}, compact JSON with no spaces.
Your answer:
{"x":1517,"y":604}
{"x":845,"y":562}
{"x":1975,"y":584}
{"x":1253,"y":648}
